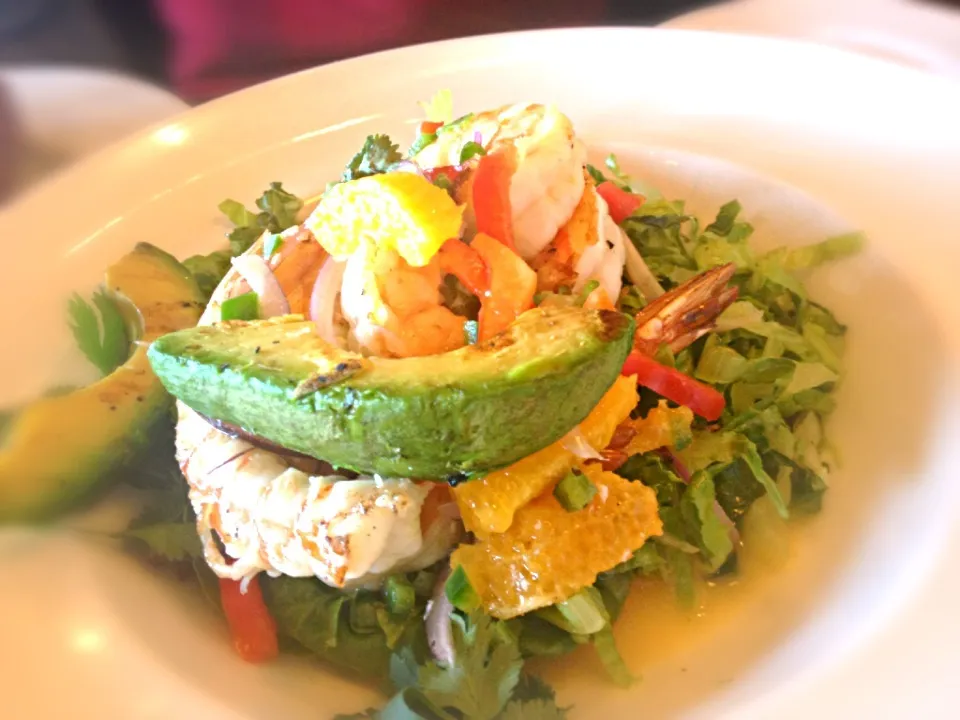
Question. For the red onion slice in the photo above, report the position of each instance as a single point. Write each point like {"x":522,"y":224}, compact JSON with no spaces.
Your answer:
{"x":725,"y":520}
{"x":575,"y":442}
{"x":436,"y":622}
{"x":255,"y":270}
{"x":323,"y":298}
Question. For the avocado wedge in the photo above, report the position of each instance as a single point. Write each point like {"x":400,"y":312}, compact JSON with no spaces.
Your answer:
{"x":59,"y":450}
{"x":465,"y":412}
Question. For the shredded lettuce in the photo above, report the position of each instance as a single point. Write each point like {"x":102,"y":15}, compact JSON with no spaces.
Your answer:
{"x":699,"y":511}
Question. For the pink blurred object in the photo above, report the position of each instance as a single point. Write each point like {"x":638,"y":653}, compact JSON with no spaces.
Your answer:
{"x":223,"y":45}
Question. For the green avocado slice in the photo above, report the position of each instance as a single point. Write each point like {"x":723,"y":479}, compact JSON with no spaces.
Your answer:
{"x":60,"y":450}
{"x":465,"y":412}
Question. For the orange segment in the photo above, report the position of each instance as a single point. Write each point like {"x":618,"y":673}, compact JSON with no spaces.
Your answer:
{"x":663,"y":426}
{"x":548,"y":554}
{"x":488,"y":504}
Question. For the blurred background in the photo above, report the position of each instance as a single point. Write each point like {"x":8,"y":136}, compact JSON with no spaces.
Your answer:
{"x":78,"y":74}
{"x":201,"y":48}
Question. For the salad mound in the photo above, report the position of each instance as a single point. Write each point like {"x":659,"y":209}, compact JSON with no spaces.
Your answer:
{"x":436,"y":422}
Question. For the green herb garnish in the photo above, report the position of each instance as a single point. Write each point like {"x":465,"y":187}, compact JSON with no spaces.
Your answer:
{"x":585,"y":292}
{"x":422,"y":141}
{"x":460,"y":592}
{"x":271,"y":244}
{"x":241,"y":307}
{"x":575,"y":491}
{"x":378,"y":153}
{"x":100,"y":331}
{"x":471,"y":149}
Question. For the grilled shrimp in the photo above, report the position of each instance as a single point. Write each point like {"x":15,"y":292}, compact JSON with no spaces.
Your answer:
{"x":284,"y":514}
{"x":272,"y":516}
{"x":395,"y":309}
{"x":548,"y":181}
{"x":589,"y":246}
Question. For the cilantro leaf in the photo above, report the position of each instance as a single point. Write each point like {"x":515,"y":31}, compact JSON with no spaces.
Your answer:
{"x":278,"y":211}
{"x":208,"y":270}
{"x":100,"y":331}
{"x":532,"y":710}
{"x":377,"y":154}
{"x":487,"y":670}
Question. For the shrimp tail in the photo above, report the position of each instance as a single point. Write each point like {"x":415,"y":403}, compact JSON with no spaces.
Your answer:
{"x":688,"y":312}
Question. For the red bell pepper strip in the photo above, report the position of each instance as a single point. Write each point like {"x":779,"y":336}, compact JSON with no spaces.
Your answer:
{"x":464,"y":262}
{"x":512,"y":286}
{"x":427,"y":127}
{"x":432,"y":174}
{"x":621,"y":203}
{"x":253,"y":629}
{"x":491,"y":197}
{"x":674,"y":385}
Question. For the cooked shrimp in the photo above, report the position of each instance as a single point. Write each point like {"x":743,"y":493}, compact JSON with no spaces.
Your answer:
{"x":395,"y":309}
{"x":548,"y":181}
{"x":590,"y":246}
{"x":687,"y":312}
{"x":272,"y":517}
{"x":282,"y":514}
{"x":295,"y":264}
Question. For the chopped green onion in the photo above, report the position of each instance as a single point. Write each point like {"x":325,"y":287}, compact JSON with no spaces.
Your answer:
{"x":460,"y":592}
{"x":575,"y":491}
{"x":271,"y":244}
{"x":631,"y":300}
{"x":585,"y":292}
{"x":610,"y":657}
{"x":421,"y":142}
{"x":471,"y":330}
{"x":471,"y":149}
{"x":582,"y":614}
{"x":400,"y":595}
{"x":597,"y":176}
{"x":454,"y":123}
{"x":241,"y":307}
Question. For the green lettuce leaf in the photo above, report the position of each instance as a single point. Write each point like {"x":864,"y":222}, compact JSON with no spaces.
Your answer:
{"x":699,"y":510}
{"x":318,"y":618}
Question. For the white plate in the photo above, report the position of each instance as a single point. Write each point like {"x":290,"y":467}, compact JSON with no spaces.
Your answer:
{"x":921,"y":35}
{"x":869,"y":595}
{"x":66,"y":113}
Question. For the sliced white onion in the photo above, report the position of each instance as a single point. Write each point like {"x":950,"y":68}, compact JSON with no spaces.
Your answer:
{"x":255,"y":270}
{"x":575,"y":442}
{"x":323,"y":298}
{"x":436,"y":622}
{"x":641,"y":275}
